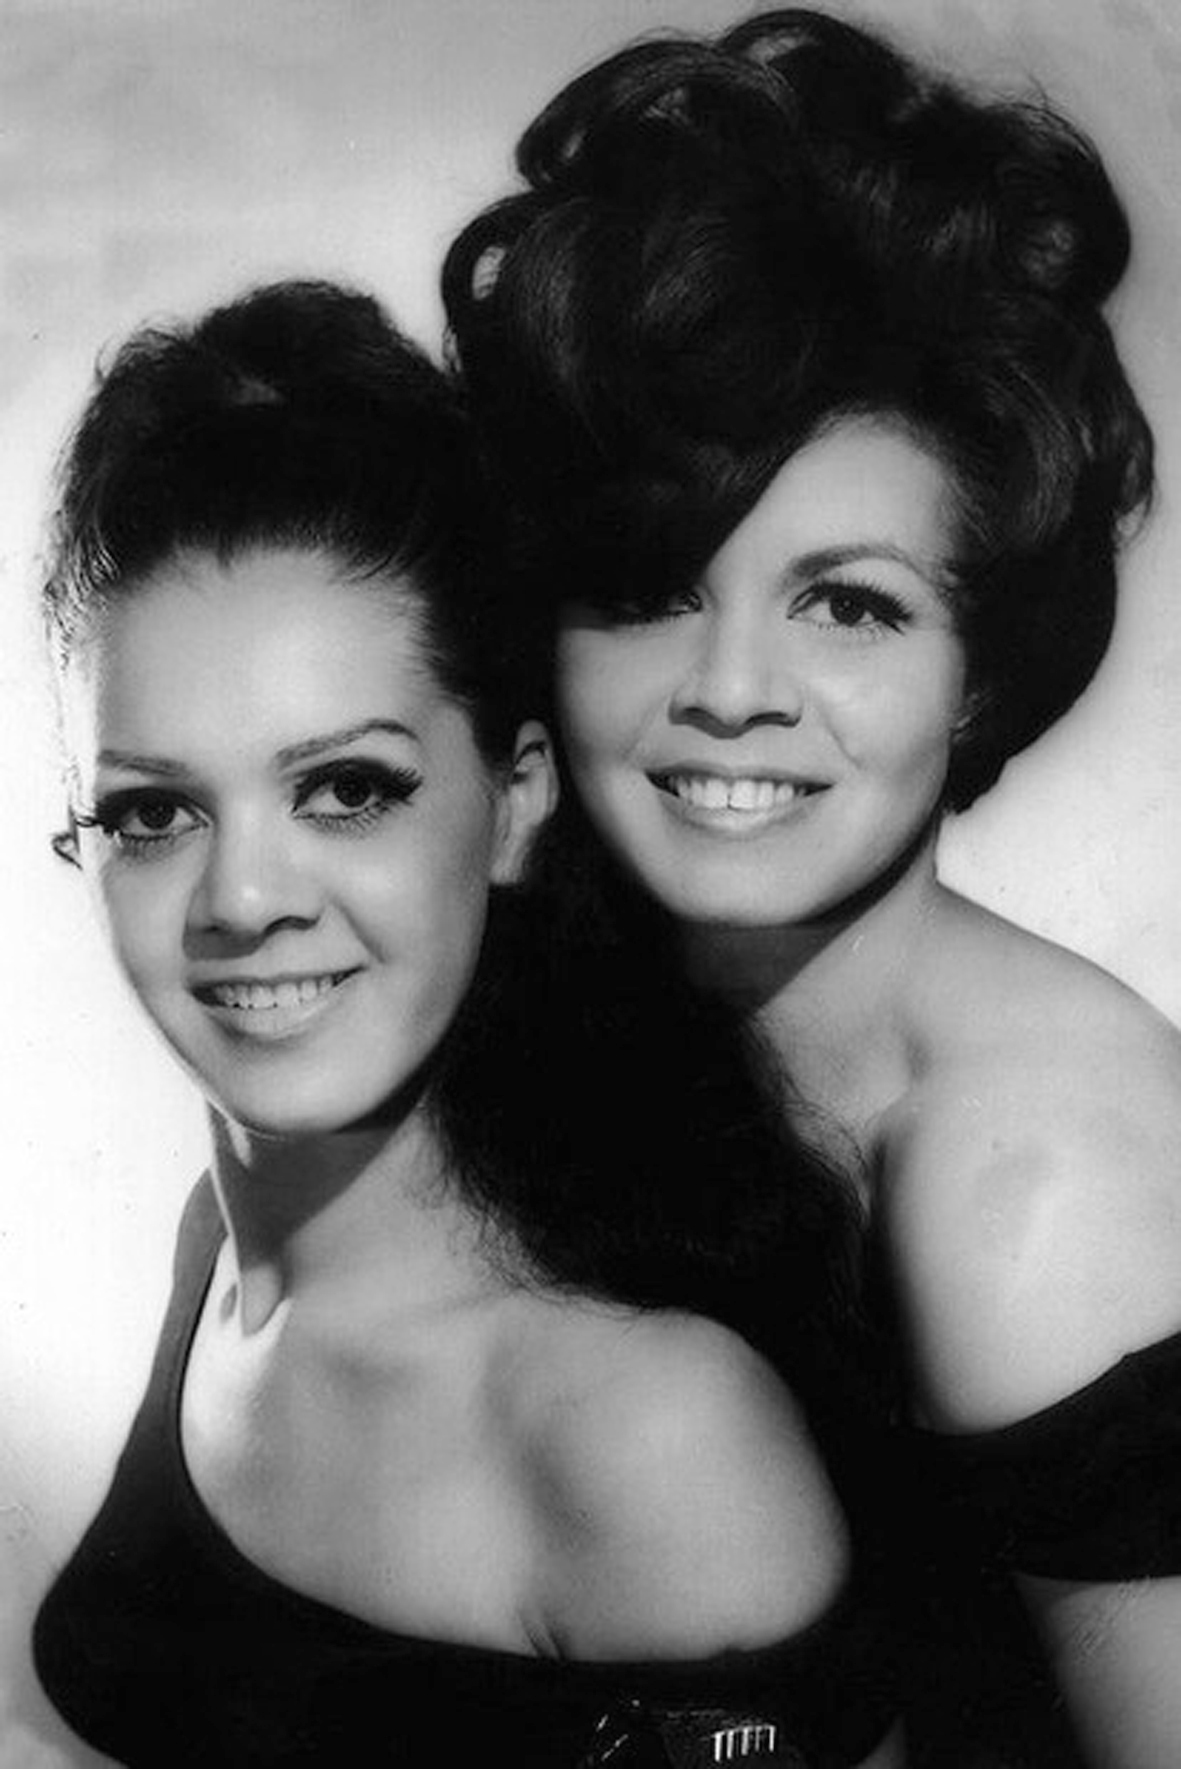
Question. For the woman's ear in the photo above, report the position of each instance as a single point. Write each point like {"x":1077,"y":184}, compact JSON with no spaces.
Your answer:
{"x":528,"y":802}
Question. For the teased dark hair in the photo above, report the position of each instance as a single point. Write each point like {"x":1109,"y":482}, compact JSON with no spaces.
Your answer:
{"x":298,"y":416}
{"x":722,"y":243}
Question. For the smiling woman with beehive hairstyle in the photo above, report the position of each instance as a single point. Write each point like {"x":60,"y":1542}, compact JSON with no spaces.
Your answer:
{"x":792,"y":354}
{"x":448,"y":1441}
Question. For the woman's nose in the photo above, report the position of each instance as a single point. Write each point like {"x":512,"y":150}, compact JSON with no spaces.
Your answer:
{"x":252,"y":882}
{"x":740,"y":674}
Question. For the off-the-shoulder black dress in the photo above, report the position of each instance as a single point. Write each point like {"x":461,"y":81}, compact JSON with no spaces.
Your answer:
{"x":163,"y":1646}
{"x":1088,"y":1490}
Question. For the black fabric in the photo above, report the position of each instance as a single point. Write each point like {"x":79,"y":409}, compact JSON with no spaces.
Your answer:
{"x":1087,"y":1489}
{"x":977,"y":1689}
{"x":162,"y":1645}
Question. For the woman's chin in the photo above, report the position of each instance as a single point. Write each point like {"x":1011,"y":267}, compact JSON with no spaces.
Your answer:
{"x":295,"y":1121}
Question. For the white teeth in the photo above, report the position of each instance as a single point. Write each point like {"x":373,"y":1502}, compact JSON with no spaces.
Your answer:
{"x":752,"y":795}
{"x":258,"y":996}
{"x":710,"y":793}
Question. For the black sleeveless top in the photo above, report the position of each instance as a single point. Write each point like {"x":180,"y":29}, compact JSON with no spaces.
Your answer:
{"x":162,"y":1645}
{"x":1087,"y":1489}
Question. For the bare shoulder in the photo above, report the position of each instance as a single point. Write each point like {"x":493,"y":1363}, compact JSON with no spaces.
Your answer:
{"x":685,"y":1504}
{"x":1032,"y":1190}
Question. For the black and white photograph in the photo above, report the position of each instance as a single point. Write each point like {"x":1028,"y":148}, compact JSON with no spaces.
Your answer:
{"x":590,"y":669}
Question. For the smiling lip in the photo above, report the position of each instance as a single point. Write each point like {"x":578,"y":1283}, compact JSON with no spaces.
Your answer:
{"x":730,"y":802}
{"x":271,"y":1007}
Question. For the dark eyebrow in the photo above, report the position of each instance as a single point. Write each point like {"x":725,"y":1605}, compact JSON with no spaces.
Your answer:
{"x":822,"y":559}
{"x":294,"y":752}
{"x":121,"y":758}
{"x":314,"y":746}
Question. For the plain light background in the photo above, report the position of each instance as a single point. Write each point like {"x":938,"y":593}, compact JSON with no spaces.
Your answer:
{"x":156,"y":155}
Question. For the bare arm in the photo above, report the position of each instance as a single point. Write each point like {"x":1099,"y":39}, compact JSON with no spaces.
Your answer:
{"x":1036,"y":1231}
{"x":1117,"y":1651}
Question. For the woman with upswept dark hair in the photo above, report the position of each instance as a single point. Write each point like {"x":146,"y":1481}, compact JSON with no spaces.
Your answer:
{"x":791,"y":359}
{"x":464,"y":1438}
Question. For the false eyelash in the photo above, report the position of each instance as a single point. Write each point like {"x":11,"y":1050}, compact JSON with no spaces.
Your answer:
{"x":388,"y":786}
{"x":391,"y":787}
{"x":107,"y":811}
{"x":651,"y":612}
{"x":883,"y":607}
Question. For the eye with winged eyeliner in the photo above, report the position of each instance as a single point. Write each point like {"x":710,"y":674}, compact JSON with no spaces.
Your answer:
{"x":114,"y":811}
{"x":378,"y":788}
{"x":808,"y":580}
{"x":863,"y":610}
{"x":374,"y":789}
{"x":347,"y":795}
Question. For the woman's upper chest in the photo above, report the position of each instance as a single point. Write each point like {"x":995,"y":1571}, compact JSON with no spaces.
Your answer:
{"x":379,"y":1480}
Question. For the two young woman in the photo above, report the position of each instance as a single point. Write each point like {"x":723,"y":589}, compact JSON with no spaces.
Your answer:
{"x":793,"y":365}
{"x":793,"y":362}
{"x":447,"y":1451}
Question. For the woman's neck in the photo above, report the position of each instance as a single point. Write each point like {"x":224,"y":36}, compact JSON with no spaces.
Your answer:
{"x":834,"y":998}
{"x":359,"y":1221}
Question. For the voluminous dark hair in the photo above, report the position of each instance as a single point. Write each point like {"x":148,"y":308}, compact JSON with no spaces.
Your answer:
{"x":296,"y":416}
{"x":722,"y":245}
{"x":630,"y":1135}
{"x":612,"y":1141}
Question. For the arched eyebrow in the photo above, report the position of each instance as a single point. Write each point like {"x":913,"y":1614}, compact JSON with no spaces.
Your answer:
{"x":937,"y":572}
{"x":302,"y":751}
{"x":137,"y":764}
{"x":314,"y":746}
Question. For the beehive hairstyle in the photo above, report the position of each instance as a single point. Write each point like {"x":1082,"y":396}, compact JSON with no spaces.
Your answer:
{"x":722,"y":244}
{"x":296,"y":416}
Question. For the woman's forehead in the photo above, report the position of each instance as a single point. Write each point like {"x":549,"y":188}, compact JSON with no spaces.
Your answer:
{"x":863,"y":483}
{"x":257,"y":598}
{"x":205,"y":654}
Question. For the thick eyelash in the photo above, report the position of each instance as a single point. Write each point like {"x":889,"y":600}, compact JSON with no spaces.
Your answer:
{"x":884,"y":609}
{"x":109,"y":811}
{"x":391,"y":787}
{"x":650,"y":613}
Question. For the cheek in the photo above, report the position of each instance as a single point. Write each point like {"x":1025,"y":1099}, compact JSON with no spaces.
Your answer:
{"x":428,"y":895}
{"x":142,"y":913}
{"x":902,"y":720}
{"x":431,"y":944}
{"x":604,"y":688}
{"x":576,"y":697}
